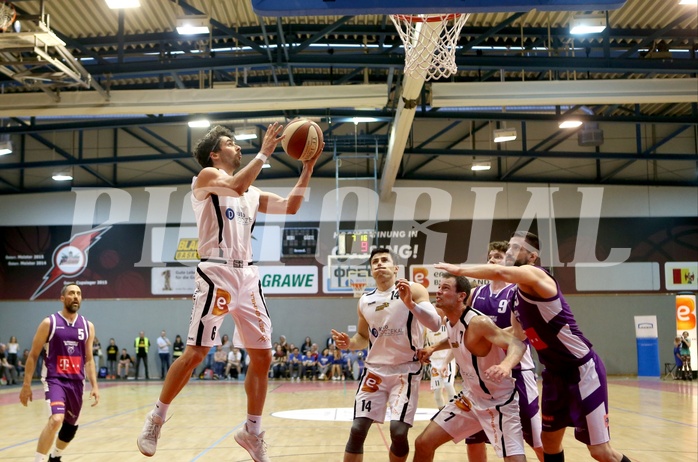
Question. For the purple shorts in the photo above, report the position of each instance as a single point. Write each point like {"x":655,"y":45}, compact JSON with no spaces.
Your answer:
{"x":64,"y":397}
{"x":577,"y":397}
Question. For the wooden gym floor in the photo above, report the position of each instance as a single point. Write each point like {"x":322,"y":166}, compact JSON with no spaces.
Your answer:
{"x":651,"y":421}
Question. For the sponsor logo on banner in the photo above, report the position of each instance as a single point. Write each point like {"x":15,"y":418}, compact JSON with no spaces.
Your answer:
{"x":686,"y":322}
{"x":685,"y":313}
{"x":681,"y":275}
{"x":336,"y":279}
{"x":172,"y":280}
{"x":187,"y":249}
{"x":174,"y":245}
{"x":70,"y":258}
{"x":430,"y":277}
{"x":289,"y":280}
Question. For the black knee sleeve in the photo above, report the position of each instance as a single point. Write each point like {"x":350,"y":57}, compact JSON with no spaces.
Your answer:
{"x":625,"y":458}
{"x":559,"y":457}
{"x":398,"y":437}
{"x":357,"y":435}
{"x":67,"y":432}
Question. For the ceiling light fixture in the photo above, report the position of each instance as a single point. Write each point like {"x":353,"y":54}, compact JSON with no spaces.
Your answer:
{"x":199,"y":123}
{"x":121,"y":4}
{"x":587,"y":24}
{"x":480,"y":166}
{"x":63,"y":175}
{"x":245,"y":133}
{"x":266,"y":165}
{"x":193,"y":24}
{"x":504,"y":134}
{"x":5,"y":145}
{"x":570,"y":124}
{"x":358,"y":120}
{"x":688,"y":2}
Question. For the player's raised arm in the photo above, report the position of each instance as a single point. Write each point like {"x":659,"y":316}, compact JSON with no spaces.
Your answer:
{"x":222,"y":150}
{"x":514,"y":347}
{"x":416,"y":299}
{"x":275,"y":204}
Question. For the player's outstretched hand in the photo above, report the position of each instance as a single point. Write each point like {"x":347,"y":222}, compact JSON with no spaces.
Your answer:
{"x":403,"y":286}
{"x":25,"y":395}
{"x":497,"y":373}
{"x":448,"y":267}
{"x":341,"y":339}
{"x":424,"y":355}
{"x":310,"y":163}
{"x":271,"y":139}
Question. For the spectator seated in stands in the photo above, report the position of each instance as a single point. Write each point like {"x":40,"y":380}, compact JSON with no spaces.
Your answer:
{"x":21,"y":362}
{"x":278,"y":368}
{"x":295,"y":364}
{"x":308,"y":365}
{"x":307,"y":345}
{"x":233,"y":368}
{"x":220,"y":360}
{"x":324,"y":364}
{"x":7,"y":370}
{"x":339,"y":365}
{"x":125,"y":362}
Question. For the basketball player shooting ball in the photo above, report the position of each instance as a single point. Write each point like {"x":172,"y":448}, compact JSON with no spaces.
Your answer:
{"x":226,"y":206}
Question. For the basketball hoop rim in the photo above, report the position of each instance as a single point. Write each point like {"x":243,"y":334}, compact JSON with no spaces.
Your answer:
{"x":427,"y":17}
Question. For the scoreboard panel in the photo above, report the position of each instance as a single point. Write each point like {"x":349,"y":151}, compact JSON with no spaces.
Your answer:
{"x":355,"y":242}
{"x":299,"y":242}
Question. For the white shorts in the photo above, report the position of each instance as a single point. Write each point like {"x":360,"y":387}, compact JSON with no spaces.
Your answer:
{"x":464,"y":416}
{"x":378,"y":394}
{"x":222,"y":289}
{"x":437,"y":381}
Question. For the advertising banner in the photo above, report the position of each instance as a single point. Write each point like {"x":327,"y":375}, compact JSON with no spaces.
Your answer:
{"x":686,"y":323}
{"x":123,"y":260}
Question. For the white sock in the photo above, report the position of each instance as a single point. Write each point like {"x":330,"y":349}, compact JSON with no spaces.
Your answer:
{"x":160,"y":409}
{"x":56,"y":452}
{"x":254,"y":424}
{"x":38,"y":457}
{"x":439,"y":397}
{"x":450,"y":391}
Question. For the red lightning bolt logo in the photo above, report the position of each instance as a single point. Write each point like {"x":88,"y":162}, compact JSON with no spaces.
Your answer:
{"x":70,"y":258}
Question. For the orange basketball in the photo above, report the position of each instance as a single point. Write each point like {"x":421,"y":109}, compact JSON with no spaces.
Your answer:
{"x":303,"y":139}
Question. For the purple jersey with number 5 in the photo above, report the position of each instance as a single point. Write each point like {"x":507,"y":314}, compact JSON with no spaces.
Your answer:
{"x":65,"y":349}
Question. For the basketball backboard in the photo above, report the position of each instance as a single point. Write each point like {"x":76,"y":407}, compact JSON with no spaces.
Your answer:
{"x":363,"y":7}
{"x":342,"y":270}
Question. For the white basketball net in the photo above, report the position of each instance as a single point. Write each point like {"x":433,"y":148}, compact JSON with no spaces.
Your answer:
{"x":358,"y":282}
{"x":430,"y":43}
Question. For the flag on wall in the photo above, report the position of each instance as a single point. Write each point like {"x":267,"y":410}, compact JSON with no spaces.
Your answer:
{"x":681,"y":275}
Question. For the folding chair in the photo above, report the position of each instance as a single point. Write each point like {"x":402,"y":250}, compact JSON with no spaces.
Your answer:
{"x":669,"y":370}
